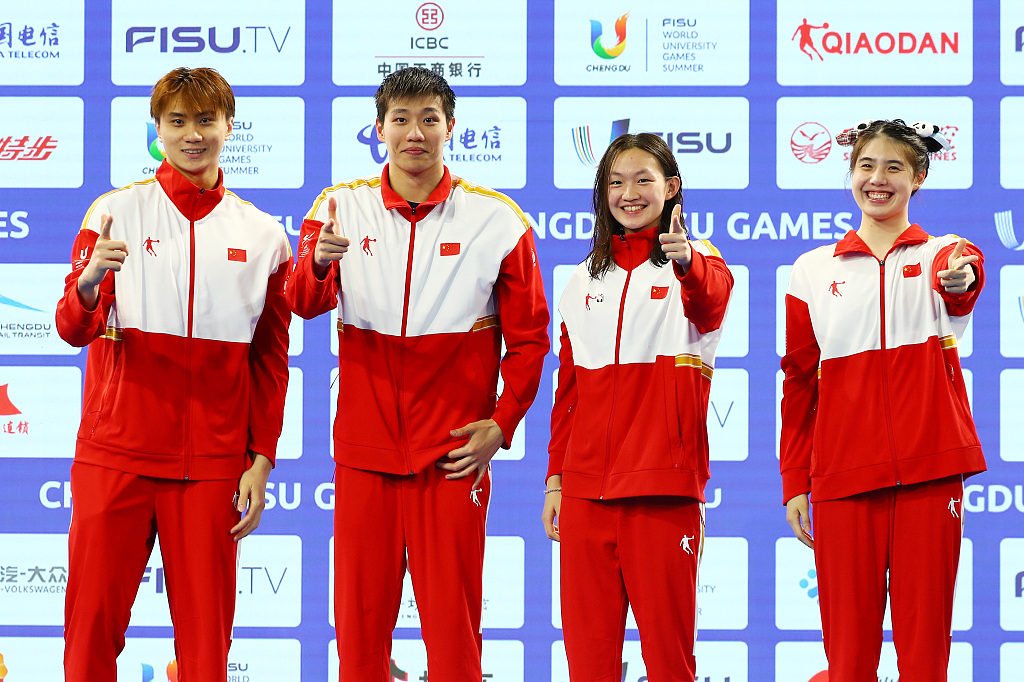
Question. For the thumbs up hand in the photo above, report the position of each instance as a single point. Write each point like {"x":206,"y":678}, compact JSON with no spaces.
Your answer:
{"x":675,"y":243}
{"x":330,"y":245}
{"x":107,"y":254}
{"x":959,"y":276}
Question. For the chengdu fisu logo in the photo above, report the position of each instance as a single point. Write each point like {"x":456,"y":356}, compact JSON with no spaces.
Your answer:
{"x":620,"y":34}
{"x":153,"y":142}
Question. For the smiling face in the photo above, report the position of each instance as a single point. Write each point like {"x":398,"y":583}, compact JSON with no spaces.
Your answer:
{"x":638,"y":189}
{"x":882,"y":182}
{"x":193,"y":141}
{"x":415,"y":131}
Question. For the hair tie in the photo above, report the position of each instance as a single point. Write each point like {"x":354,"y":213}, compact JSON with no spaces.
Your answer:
{"x":930,"y":135}
{"x":848,"y":137}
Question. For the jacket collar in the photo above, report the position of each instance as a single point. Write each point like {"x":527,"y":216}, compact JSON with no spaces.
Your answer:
{"x":631,"y":250}
{"x":393,"y":200}
{"x":195,"y":203}
{"x":852,"y":243}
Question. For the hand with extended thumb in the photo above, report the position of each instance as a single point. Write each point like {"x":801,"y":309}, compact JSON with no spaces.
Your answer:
{"x":675,"y":243}
{"x":959,"y":277}
{"x":330,"y":245}
{"x":107,"y":254}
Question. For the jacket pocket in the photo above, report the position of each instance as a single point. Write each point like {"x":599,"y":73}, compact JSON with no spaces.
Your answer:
{"x":674,"y":422}
{"x":101,"y":412}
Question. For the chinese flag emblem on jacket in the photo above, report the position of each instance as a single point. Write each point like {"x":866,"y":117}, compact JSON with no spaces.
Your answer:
{"x":659,"y":292}
{"x":912,"y":270}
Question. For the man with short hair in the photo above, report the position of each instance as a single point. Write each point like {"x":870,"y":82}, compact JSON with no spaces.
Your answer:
{"x":184,"y":388}
{"x":421,"y":317}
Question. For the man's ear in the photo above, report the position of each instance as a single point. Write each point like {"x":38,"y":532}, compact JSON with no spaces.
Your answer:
{"x":380,"y":130}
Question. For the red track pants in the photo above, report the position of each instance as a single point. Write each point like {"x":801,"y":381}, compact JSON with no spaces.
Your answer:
{"x":914,"y":532}
{"x":642,"y":551}
{"x":113,"y":527}
{"x":380,"y":520}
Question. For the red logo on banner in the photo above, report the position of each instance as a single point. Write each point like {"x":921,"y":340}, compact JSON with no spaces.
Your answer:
{"x":429,"y":16}
{"x":236,"y":255}
{"x":810,"y":142}
{"x":12,"y":149}
{"x":450,"y":249}
{"x":659,"y":292}
{"x":6,"y":406}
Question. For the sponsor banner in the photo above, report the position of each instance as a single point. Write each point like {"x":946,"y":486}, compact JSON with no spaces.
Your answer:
{"x":42,"y":43}
{"x":29,"y":293}
{"x":13,"y":224}
{"x":488,"y":144}
{"x":1011,"y":311}
{"x":722,"y":586}
{"x":1011,"y":42}
{"x":504,"y":575}
{"x":289,"y":446}
{"x":646,"y":43}
{"x":716,"y":662}
{"x":808,"y":157}
{"x":250,"y":660}
{"x":709,"y":136}
{"x":1011,"y":430}
{"x":265,"y":149}
{"x":269,"y":585}
{"x":41,"y":142}
{"x":796,"y":588}
{"x":501,"y":660}
{"x":839,"y":44}
{"x":1011,"y":584}
{"x":729,"y":415}
{"x":250,"y":42}
{"x":448,"y":37}
{"x":1011,"y":662}
{"x":33,"y":579}
{"x":1011,"y":145}
{"x":31,"y":658}
{"x":806,"y":662}
{"x":40,"y":408}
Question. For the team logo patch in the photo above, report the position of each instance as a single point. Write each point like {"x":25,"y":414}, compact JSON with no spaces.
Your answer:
{"x":450,"y":249}
{"x":236,"y":255}
{"x":149,"y":245}
{"x":597,"y":299}
{"x":659,"y":292}
{"x":834,"y":289}
{"x":912,"y":270}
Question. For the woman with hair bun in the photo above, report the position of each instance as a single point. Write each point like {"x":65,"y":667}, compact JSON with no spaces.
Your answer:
{"x":629,"y":453}
{"x":876,"y":425}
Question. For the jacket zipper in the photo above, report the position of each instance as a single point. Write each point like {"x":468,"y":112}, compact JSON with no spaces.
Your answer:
{"x":615,"y":370}
{"x":885,"y":378}
{"x":402,"y":416}
{"x":188,"y":338}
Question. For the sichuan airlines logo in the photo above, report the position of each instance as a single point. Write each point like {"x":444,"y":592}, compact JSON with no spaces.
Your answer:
{"x":596,"y":33}
{"x":810,"y":142}
{"x":884,"y":42}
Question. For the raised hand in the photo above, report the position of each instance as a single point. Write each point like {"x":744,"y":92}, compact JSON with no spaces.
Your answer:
{"x":107,"y":254}
{"x":958,"y":277}
{"x":674,"y":243}
{"x":330,"y":245}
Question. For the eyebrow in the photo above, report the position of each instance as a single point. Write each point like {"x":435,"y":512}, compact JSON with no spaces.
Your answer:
{"x":642,"y":171}
{"x":868,"y":158}
{"x":404,"y":110}
{"x":181,"y":115}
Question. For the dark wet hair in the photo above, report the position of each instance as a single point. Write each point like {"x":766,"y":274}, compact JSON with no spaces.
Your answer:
{"x":910,"y":145}
{"x":607,"y":227}
{"x":413,"y":82}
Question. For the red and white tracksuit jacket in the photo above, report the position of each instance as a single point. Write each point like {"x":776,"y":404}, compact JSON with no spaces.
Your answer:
{"x":638,"y":351}
{"x":874,"y":395}
{"x":188,"y":357}
{"x":424,"y":297}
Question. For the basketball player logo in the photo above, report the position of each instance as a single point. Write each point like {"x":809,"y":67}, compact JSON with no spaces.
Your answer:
{"x":149,"y":245}
{"x":365,"y":243}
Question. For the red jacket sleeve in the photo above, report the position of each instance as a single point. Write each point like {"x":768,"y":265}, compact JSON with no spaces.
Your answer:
{"x":268,"y":368}
{"x":523,"y":311}
{"x":799,"y":399}
{"x":706,"y":287}
{"x":959,"y":304}
{"x":563,"y":411}
{"x":308,"y":296}
{"x":76,"y":325}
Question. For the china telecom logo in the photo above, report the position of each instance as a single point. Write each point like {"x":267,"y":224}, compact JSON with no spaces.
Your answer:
{"x":596,"y":31}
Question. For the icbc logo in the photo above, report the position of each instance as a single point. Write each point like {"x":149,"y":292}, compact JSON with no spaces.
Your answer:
{"x":810,"y":142}
{"x":429,"y":16}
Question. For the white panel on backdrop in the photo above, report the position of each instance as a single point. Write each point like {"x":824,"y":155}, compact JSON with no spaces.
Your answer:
{"x":31,"y":659}
{"x":806,"y":662}
{"x":837,"y":43}
{"x":1011,"y":583}
{"x":41,"y":141}
{"x":250,"y":42}
{"x":289,"y":446}
{"x":1011,"y":311}
{"x":722,"y":587}
{"x":42,"y":43}
{"x":729,"y":415}
{"x":808,"y":157}
{"x":40,"y":408}
{"x":1011,"y":44}
{"x":488,"y":145}
{"x":250,"y":660}
{"x":601,"y":43}
{"x":295,"y":335}
{"x":1011,"y":662}
{"x":1011,"y":427}
{"x":33,"y":578}
{"x":716,"y":662}
{"x":736,"y":330}
{"x":1011,"y":142}
{"x":269,"y":585}
{"x":500,"y":660}
{"x":709,"y":136}
{"x":452,"y":37}
{"x":266,"y":147}
{"x":28,"y":303}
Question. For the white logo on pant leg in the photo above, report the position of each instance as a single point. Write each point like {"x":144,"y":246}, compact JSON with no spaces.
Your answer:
{"x":473,"y":496}
{"x":685,"y":544}
{"x":952,"y":507}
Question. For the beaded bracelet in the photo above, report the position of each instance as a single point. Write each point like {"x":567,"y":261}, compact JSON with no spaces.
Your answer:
{"x":552,"y":490}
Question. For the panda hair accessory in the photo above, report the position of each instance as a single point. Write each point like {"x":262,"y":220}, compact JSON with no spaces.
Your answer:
{"x":933,"y":140}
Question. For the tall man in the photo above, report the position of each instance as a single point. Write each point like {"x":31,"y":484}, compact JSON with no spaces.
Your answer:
{"x":421,"y":317}
{"x":184,"y":388}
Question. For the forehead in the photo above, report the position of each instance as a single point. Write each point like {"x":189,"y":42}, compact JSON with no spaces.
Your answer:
{"x":883,"y":147}
{"x":633,"y":161}
{"x":178,"y":105}
{"x":416,"y":104}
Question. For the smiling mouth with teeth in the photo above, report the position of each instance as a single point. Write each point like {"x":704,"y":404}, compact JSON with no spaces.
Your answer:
{"x":879,"y":196}
{"x":633,"y":209}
